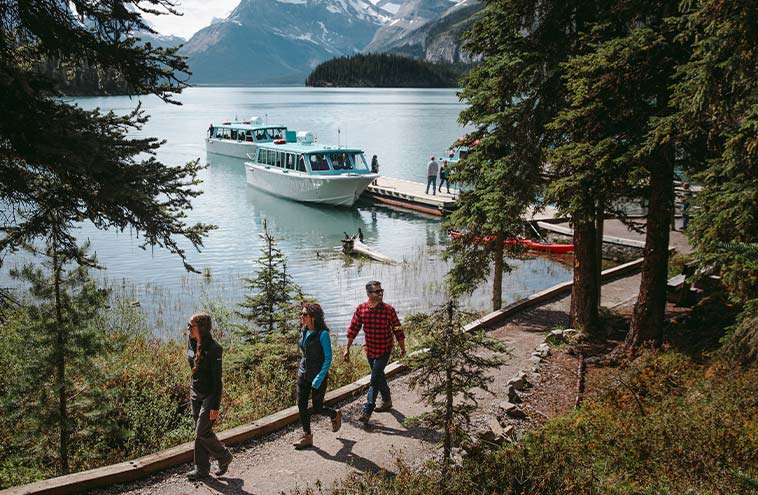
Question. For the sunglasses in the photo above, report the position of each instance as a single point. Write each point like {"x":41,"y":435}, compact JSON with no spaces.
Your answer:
{"x":304,"y":315}
{"x":377,"y":291}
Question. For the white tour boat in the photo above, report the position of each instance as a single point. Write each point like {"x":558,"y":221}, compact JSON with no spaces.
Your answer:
{"x":240,"y":139}
{"x":303,"y":170}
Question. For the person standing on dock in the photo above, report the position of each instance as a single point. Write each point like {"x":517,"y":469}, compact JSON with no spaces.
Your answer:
{"x":313,"y":372}
{"x":379,"y":322}
{"x":444,"y":173}
{"x":204,"y":357}
{"x":431,"y":175}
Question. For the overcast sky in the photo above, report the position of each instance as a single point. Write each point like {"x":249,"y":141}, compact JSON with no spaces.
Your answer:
{"x":197,"y":15}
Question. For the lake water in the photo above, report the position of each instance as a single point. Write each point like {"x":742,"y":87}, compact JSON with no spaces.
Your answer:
{"x":402,"y":126}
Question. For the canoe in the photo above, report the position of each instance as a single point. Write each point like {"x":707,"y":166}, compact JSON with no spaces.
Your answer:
{"x":527,"y":243}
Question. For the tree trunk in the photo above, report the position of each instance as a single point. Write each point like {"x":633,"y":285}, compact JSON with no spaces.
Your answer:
{"x":497,"y":280}
{"x":60,"y":365}
{"x":448,"y":443}
{"x":647,"y":319}
{"x":584,"y":293}
{"x":599,"y":229}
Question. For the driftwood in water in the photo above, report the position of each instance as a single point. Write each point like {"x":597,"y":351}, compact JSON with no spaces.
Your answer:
{"x":354,"y":246}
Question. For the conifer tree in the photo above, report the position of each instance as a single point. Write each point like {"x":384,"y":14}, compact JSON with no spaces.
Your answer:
{"x":449,"y":369}
{"x":715,"y":127}
{"x":512,"y":95}
{"x":617,"y":86}
{"x":56,"y":157}
{"x":58,"y":400}
{"x":272,"y":307}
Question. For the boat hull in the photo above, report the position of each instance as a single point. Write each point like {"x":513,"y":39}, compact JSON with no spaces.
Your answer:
{"x":336,"y":190}
{"x":236,"y":149}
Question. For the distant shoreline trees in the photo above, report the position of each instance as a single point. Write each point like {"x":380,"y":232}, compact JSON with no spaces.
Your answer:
{"x":384,"y":70}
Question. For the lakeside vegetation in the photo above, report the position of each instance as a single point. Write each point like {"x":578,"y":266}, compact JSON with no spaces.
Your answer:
{"x":614,"y":95}
{"x":133,"y":398}
{"x":384,"y":70}
{"x":671,"y":422}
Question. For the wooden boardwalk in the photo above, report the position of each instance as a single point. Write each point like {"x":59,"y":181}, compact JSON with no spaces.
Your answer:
{"x":412,"y":196}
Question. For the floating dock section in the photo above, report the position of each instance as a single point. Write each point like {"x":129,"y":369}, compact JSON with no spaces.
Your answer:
{"x":411,"y":196}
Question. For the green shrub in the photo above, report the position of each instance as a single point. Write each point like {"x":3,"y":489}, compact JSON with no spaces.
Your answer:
{"x":665,"y":425}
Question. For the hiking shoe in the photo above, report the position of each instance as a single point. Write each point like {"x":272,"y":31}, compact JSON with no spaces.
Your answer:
{"x":196,"y":475}
{"x":223,"y":466}
{"x":386,"y":406}
{"x":337,"y":421}
{"x":364,"y":418}
{"x":305,"y":442}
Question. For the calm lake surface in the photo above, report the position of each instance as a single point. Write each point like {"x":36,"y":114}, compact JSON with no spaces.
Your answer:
{"x":402,"y":126}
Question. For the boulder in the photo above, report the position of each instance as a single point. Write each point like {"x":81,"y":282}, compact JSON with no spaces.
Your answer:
{"x":516,"y":413}
{"x":456,"y":456}
{"x":535,"y":360}
{"x":555,"y":337}
{"x":506,"y":406}
{"x":513,"y":395}
{"x":519,"y":382}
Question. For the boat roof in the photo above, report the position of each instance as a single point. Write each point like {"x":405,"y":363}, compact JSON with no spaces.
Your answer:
{"x":248,"y":126}
{"x":308,"y":148}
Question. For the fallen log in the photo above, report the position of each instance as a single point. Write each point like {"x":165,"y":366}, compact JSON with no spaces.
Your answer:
{"x":354,"y":246}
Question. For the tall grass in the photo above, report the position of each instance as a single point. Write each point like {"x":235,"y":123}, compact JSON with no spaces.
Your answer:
{"x":148,"y":386}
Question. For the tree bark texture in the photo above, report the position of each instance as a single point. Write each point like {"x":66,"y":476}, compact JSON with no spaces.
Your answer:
{"x":497,"y":279}
{"x":648,"y":316}
{"x":584,"y":293}
{"x":60,"y":365}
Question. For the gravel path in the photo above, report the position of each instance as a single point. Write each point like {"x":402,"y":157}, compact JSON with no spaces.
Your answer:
{"x":270,"y":465}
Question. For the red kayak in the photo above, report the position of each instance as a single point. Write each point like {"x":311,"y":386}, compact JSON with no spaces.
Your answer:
{"x":528,"y":244}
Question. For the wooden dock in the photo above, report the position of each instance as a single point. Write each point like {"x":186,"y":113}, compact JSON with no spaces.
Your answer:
{"x":411,"y":195}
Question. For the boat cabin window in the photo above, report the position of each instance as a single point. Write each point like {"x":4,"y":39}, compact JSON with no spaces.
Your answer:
{"x":318,"y":162}
{"x":300,"y":163}
{"x":276,"y":133}
{"x":234,"y":134}
{"x":263,"y":157}
{"x":227,"y":134}
{"x":219,"y":133}
{"x":260,"y":135}
{"x":290,"y":161}
{"x":279,"y":159}
{"x":340,"y":161}
{"x":249,"y":136}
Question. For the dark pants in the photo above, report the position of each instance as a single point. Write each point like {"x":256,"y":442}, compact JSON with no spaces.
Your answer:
{"x":304,"y":391}
{"x":378,"y":383}
{"x":207,"y":444}
{"x":443,"y":180}
{"x":431,"y":181}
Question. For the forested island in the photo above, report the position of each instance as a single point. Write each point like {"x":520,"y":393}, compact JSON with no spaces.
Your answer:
{"x":384,"y":70}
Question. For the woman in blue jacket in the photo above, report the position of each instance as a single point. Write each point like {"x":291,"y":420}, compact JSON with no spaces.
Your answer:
{"x":313,"y":373}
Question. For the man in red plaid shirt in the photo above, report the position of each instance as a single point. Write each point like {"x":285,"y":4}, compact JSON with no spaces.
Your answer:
{"x":379,"y":322}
